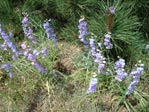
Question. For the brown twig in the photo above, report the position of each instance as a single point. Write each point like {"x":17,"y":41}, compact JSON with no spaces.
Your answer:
{"x":111,"y":13}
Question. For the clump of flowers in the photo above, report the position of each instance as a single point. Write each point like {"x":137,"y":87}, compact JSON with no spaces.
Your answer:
{"x":92,"y":45}
{"x":49,"y":31}
{"x":83,"y":31}
{"x":28,"y":31}
{"x":99,"y":58}
{"x":8,"y":42}
{"x":92,"y":85}
{"x":32,"y":57}
{"x":8,"y":68}
{"x":107,"y":41}
{"x":135,"y":74}
{"x":120,"y":71}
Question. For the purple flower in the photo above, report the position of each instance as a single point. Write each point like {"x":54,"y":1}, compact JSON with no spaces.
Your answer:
{"x":92,"y":85}
{"x":23,"y":46}
{"x":49,"y":30}
{"x":31,"y":57}
{"x":11,"y":74}
{"x":39,"y":67}
{"x":98,"y":57}
{"x":4,"y":46}
{"x":120,"y":75}
{"x":120,"y":63}
{"x":25,"y":53}
{"x":7,"y":66}
{"x":36,"y":52}
{"x":135,"y":74}
{"x":13,"y":57}
{"x":27,"y":30}
{"x":25,"y":21}
{"x":83,"y":31}
{"x":112,"y":10}
{"x":92,"y":45}
{"x":101,"y":66}
{"x":107,"y":41}
{"x":44,"y":51}
{"x":147,"y":47}
{"x":9,"y":43}
{"x":130,"y":89}
{"x":119,"y":67}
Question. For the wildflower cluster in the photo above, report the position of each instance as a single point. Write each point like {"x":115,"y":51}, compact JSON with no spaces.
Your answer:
{"x":135,"y":74}
{"x":8,"y":42}
{"x":107,"y":41}
{"x":120,"y":71}
{"x":31,"y":56}
{"x":99,"y":58}
{"x":83,"y":32}
{"x":28,"y":31}
{"x":49,"y":31}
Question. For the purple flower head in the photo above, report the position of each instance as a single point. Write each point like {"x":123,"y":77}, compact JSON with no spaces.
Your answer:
{"x":23,"y":45}
{"x":112,"y":10}
{"x":46,"y":25}
{"x":107,"y":41}
{"x":9,"y":43}
{"x":120,"y":75}
{"x":135,"y":74}
{"x":49,"y":30}
{"x":3,"y":46}
{"x":83,"y":31}
{"x":25,"y":21}
{"x":7,"y":66}
{"x":120,"y":71}
{"x":120,"y":63}
{"x":98,"y":57}
{"x":29,"y":33}
{"x":101,"y":66}
{"x":31,"y":57}
{"x":147,"y":47}
{"x":13,"y":57}
{"x":130,"y":89}
{"x":25,"y":53}
{"x":92,"y":85}
{"x":36,"y":52}
{"x":11,"y":74}
{"x":34,"y":41}
{"x":39,"y":67}
{"x":44,"y":51}
{"x":91,"y":42}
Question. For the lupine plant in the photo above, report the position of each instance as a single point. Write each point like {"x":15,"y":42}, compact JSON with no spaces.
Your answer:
{"x":83,"y":31}
{"x":28,"y":31}
{"x":120,"y":71}
{"x":135,"y":74}
{"x":50,"y":31}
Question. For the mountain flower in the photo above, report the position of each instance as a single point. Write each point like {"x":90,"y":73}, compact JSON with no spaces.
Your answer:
{"x":92,"y":85}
